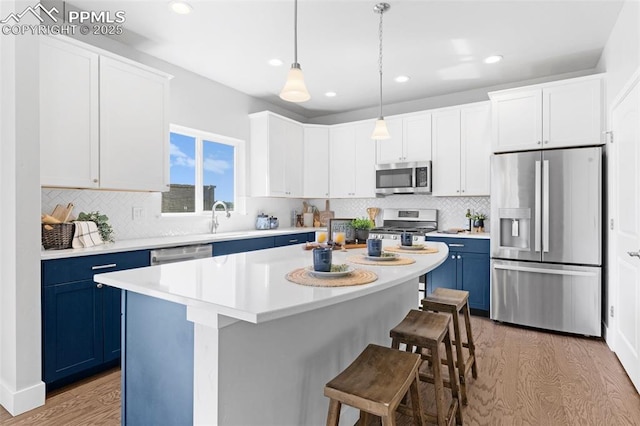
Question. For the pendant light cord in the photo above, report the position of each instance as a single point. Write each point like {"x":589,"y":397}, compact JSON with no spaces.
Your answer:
{"x":380,"y":59}
{"x":295,"y":31}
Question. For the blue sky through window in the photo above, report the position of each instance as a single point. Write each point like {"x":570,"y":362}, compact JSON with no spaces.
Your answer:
{"x":218,"y":168}
{"x":182,"y":159}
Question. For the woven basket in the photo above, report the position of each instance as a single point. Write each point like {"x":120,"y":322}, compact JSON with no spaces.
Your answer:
{"x":59,"y":237}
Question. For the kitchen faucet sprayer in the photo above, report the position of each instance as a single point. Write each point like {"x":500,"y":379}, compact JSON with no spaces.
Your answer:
{"x":214,"y":218}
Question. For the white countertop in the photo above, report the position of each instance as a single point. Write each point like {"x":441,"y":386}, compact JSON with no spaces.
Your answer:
{"x":170,"y":241}
{"x":480,"y":235}
{"x":252,"y":286}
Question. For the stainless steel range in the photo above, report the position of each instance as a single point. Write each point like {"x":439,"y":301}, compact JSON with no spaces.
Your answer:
{"x":415,"y":221}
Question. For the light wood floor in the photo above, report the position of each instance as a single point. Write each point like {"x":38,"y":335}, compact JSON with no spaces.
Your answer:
{"x":525,"y":377}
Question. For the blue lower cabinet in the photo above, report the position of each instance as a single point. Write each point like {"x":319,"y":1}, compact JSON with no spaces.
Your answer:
{"x":72,"y":329}
{"x":290,"y":239}
{"x":81,"y":319}
{"x":467,"y":268}
{"x":240,"y":246}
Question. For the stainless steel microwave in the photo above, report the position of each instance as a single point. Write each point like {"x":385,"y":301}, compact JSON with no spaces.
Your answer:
{"x":403,"y":178}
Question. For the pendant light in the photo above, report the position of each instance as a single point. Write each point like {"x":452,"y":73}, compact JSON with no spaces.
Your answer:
{"x":380,"y":131}
{"x":294,"y":89}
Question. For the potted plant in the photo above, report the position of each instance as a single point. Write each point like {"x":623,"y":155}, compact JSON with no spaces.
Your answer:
{"x":478,"y":222}
{"x":102,"y":222}
{"x":362,"y":226}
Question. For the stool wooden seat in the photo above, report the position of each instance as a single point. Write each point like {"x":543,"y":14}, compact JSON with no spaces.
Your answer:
{"x":453,"y":302}
{"x":427,"y":330}
{"x":375,"y":383}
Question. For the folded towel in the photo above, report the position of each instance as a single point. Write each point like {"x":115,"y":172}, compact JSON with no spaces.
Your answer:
{"x":86,"y":235}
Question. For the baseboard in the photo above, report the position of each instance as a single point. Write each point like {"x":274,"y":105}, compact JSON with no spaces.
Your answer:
{"x":23,"y":400}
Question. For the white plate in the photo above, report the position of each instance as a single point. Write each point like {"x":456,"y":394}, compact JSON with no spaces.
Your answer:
{"x":413,"y":247}
{"x":329,"y":274}
{"x":389,"y":256}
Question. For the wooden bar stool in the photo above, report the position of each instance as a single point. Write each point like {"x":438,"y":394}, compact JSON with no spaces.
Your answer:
{"x":453,"y":302}
{"x":375,"y":383}
{"x":427,"y":330}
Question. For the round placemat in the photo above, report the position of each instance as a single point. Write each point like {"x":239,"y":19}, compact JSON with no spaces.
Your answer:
{"x":398,"y":249}
{"x":398,"y":261}
{"x":357,"y":277}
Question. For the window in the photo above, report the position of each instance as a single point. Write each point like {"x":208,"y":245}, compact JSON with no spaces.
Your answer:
{"x":203,"y":170}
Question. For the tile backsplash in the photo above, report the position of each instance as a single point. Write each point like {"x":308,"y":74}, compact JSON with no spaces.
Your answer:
{"x":451,"y":210}
{"x":119,"y":207}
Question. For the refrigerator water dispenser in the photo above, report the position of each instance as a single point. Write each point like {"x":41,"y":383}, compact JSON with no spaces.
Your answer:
{"x":514,"y":228}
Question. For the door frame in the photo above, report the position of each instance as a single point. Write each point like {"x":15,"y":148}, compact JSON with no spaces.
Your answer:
{"x":610,"y":323}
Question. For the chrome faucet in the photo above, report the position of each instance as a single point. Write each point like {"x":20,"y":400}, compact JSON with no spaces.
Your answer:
{"x":214,"y":218}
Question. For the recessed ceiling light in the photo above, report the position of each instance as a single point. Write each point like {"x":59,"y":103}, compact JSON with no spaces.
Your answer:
{"x":331,"y":94}
{"x":402,"y":79}
{"x":492,"y":59}
{"x":275,"y":62}
{"x":180,"y":7}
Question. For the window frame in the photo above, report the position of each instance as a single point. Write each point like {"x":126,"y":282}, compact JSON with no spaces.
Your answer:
{"x":239,"y":170}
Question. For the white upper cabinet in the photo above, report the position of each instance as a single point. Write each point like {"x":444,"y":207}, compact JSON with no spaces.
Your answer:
{"x":559,"y":114}
{"x":69,"y":128}
{"x":276,"y":156}
{"x":316,"y":162}
{"x":134,"y":130}
{"x":410,"y":140}
{"x":461,"y":150}
{"x":352,"y":160}
{"x":94,"y":133}
{"x":475,"y":149}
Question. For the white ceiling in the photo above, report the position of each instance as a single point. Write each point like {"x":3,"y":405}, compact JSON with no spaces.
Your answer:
{"x":439,"y":44}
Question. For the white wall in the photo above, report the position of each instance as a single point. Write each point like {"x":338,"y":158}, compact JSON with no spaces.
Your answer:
{"x":21,"y":388}
{"x":620,"y":60}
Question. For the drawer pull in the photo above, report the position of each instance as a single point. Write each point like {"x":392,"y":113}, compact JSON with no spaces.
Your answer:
{"x":110,"y":265}
{"x":456,"y":245}
{"x":293,"y":241}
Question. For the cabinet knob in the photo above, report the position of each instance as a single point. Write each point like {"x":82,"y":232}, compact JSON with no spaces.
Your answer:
{"x":459,"y":257}
{"x":453,"y":256}
{"x":539,"y":142}
{"x":95,"y":181}
{"x":463,"y":190}
{"x":399,"y":158}
{"x":99,"y":285}
{"x":457,"y":190}
{"x":546,"y":141}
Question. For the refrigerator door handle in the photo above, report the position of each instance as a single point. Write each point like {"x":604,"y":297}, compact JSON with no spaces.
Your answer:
{"x":545,"y":206}
{"x":538,"y":196}
{"x":544,"y":270}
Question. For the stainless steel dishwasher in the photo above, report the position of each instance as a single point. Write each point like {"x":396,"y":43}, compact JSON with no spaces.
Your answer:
{"x":179,"y":254}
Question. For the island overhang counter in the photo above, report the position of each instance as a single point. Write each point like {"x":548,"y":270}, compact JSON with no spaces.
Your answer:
{"x":229,"y":340}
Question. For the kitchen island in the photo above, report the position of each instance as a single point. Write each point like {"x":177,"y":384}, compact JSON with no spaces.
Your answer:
{"x":229,"y":341}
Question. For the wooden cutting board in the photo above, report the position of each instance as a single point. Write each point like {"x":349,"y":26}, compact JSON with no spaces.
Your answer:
{"x":326,"y":215}
{"x":62,"y":213}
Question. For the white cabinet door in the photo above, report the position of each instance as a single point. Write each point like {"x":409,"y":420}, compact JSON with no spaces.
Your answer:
{"x":134,"y":129}
{"x":363,"y":164}
{"x":417,"y":137}
{"x":294,"y":158}
{"x":390,"y":150}
{"x":446,"y":152}
{"x":517,"y":120}
{"x":276,"y":156}
{"x":342,"y":151}
{"x":475,"y":150}
{"x":316,"y":162}
{"x":572,"y":114}
{"x":68,"y":115}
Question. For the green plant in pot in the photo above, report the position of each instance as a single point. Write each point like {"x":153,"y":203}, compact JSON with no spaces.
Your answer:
{"x":102,"y":222}
{"x":362,"y":226}
{"x":478,"y":221}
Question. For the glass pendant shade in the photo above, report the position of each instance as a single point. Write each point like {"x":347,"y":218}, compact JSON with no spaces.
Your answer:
{"x":380,"y":131}
{"x":294,"y":89}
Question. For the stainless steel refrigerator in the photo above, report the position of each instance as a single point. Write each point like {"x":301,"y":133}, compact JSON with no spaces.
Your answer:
{"x":546,"y":239}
